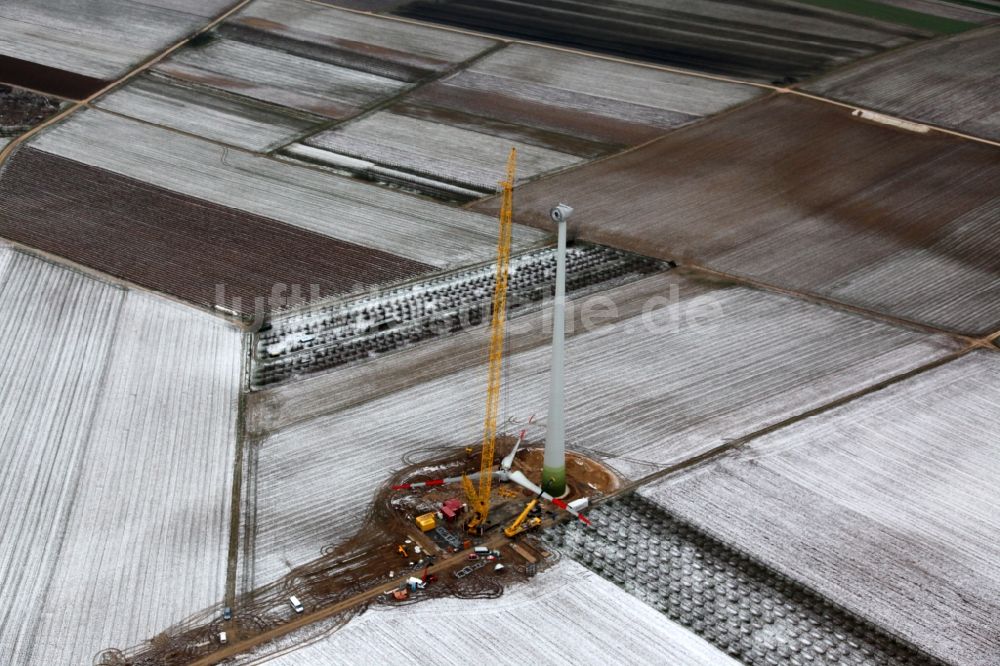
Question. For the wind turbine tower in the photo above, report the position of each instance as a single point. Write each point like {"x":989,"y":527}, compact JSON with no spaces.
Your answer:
{"x":554,"y":465}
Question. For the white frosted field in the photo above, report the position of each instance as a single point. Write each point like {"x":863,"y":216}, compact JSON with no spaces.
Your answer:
{"x":280,"y":78}
{"x":886,"y":505}
{"x":334,"y":206}
{"x":455,"y":154}
{"x":608,"y":87}
{"x":321,"y":23}
{"x":241,"y":123}
{"x":99,"y":38}
{"x":639,"y":398}
{"x":117,"y":434}
{"x":57,"y":327}
{"x":565,"y":615}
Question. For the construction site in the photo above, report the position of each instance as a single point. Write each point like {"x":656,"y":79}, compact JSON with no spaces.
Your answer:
{"x":404,"y":331}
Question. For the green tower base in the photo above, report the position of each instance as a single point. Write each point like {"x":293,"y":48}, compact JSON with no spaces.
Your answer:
{"x":554,"y":480}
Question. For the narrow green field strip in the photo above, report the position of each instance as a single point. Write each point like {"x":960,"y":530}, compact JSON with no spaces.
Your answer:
{"x":897,"y":15}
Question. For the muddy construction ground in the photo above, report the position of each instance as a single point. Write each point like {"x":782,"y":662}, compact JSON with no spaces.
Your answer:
{"x":377,"y":561}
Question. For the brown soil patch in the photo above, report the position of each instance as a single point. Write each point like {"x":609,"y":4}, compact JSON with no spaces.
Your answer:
{"x":48,"y":79}
{"x":173,"y":243}
{"x":363,"y":562}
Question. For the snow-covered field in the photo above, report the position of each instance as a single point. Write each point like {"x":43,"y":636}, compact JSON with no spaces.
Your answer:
{"x":99,"y":38}
{"x":640,"y":397}
{"x":417,"y":45}
{"x":626,"y":91}
{"x":556,"y":108}
{"x":338,"y":207}
{"x":57,"y":327}
{"x":565,"y":615}
{"x":219,"y":117}
{"x":117,"y":437}
{"x":276,"y":77}
{"x":454,"y":154}
{"x":947,"y":83}
{"x":886,"y":505}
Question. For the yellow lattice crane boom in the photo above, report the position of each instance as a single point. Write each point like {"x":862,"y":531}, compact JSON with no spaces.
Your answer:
{"x":479,"y":499}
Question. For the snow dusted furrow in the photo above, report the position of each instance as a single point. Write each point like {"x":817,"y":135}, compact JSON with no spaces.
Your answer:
{"x":156,"y":99}
{"x":802,"y":195}
{"x":280,"y":78}
{"x":456,"y":155}
{"x":955,"y":281}
{"x":949,"y":83}
{"x":630,"y":88}
{"x":451,"y":138}
{"x":98,"y":38}
{"x":340,"y":208}
{"x":57,"y":328}
{"x":886,"y":505}
{"x":706,"y":369}
{"x":567,"y":614}
{"x":117,"y":437}
{"x":147,"y":537}
{"x":394,"y":40}
{"x":6,"y":254}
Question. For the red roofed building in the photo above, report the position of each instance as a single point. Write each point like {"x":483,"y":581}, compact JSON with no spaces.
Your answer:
{"x":451,"y":509}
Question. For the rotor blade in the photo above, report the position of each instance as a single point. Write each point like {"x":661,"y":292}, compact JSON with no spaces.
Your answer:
{"x":520,"y":479}
{"x":433,"y":482}
{"x":437,"y":482}
{"x":509,"y":458}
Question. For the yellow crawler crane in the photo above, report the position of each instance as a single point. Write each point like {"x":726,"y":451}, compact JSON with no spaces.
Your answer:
{"x":521,"y":523}
{"x":479,"y":499}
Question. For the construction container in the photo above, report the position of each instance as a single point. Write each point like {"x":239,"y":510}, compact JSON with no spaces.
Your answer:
{"x":426,"y":522}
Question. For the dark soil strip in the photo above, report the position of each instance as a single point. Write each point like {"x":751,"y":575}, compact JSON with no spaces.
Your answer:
{"x":48,"y":79}
{"x":176,"y":244}
{"x":685,"y":39}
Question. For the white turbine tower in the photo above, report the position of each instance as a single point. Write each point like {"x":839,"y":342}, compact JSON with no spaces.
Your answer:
{"x":554,"y":466}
